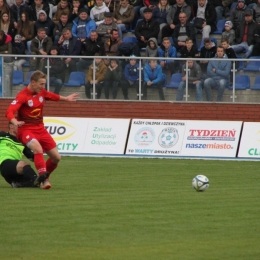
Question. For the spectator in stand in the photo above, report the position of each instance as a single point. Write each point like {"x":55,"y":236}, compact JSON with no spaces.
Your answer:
{"x":60,"y":25}
{"x":218,"y":72}
{"x":4,"y":7}
{"x":131,"y":76}
{"x":194,"y":80}
{"x":44,"y":22}
{"x":7,"y":25}
{"x":40,"y":45}
{"x":229,"y":33}
{"x":36,"y":7}
{"x":245,"y":35}
{"x":173,"y":17}
{"x":153,"y":76}
{"x":168,"y":51}
{"x":98,"y":11}
{"x":208,"y":51}
{"x":83,"y":25}
{"x":25,"y":28}
{"x":100,"y":74}
{"x":207,"y":13}
{"x":189,"y":50}
{"x":76,"y":6}
{"x":182,"y":31}
{"x":111,"y":45}
{"x":148,"y":4}
{"x":159,"y":14}
{"x":90,"y":47}
{"x":147,"y":28}
{"x":113,"y":78}
{"x":63,"y":7}
{"x":105,"y":28}
{"x":68,"y":45}
{"x":18,"y":47}
{"x":228,"y":49}
{"x":151,"y":49}
{"x":5,"y":43}
{"x":237,"y":14}
{"x":124,"y":15}
{"x":257,"y":12}
{"x":221,"y":7}
{"x":17,"y":9}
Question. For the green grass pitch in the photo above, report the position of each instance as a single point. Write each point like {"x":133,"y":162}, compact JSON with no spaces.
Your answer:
{"x":126,"y":208}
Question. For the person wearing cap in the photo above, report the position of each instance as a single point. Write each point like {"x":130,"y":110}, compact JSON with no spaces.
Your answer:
{"x":83,"y":25}
{"x":45,"y":22}
{"x":229,"y":33}
{"x":147,"y":28}
{"x":105,"y":28}
{"x":98,"y":11}
{"x":246,"y":35}
{"x":238,"y":13}
{"x":36,"y":6}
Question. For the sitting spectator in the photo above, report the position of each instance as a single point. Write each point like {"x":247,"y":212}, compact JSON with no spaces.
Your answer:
{"x":17,"y":9}
{"x":218,"y":75}
{"x":40,"y":45}
{"x":257,"y":12}
{"x":5,"y":45}
{"x":153,"y":76}
{"x":146,"y":28}
{"x":83,"y":25}
{"x":7,"y":25}
{"x":151,"y":49}
{"x":98,"y":11}
{"x":189,"y":50}
{"x":4,"y":7}
{"x":131,"y":77}
{"x":45,"y":22}
{"x":238,"y":13}
{"x":159,"y":14}
{"x":60,"y":25}
{"x":221,"y":7}
{"x":111,"y":45}
{"x":124,"y":15}
{"x":208,"y":51}
{"x":173,"y":17}
{"x":182,"y":31}
{"x":25,"y":28}
{"x":68,"y":45}
{"x":245,"y":35}
{"x":76,"y":6}
{"x":113,"y":78}
{"x":194,"y":80}
{"x":206,"y":15}
{"x":228,"y":49}
{"x":100,"y":74}
{"x":62,"y":8}
{"x":18,"y":47}
{"x":56,"y":72}
{"x":166,"y":50}
{"x":105,"y":28}
{"x":90,"y":47}
{"x":229,"y":33}
{"x":36,"y":7}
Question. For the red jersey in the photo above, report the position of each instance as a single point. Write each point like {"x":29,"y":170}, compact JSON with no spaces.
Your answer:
{"x":29,"y":107}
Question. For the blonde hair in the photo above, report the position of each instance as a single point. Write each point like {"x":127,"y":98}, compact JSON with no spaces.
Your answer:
{"x":38,"y":75}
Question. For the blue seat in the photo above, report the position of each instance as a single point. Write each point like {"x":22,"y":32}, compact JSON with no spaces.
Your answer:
{"x":76,"y":79}
{"x":257,"y":83}
{"x":253,"y":65}
{"x":242,"y":82}
{"x":220,"y":27}
{"x":202,"y":42}
{"x":28,"y":77}
{"x":175,"y":80}
{"x":17,"y":77}
{"x":129,"y":39}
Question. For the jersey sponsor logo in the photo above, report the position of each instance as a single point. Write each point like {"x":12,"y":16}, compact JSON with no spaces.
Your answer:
{"x":35,"y":113}
{"x":14,"y":102}
{"x":41,"y":99}
{"x":30,"y":103}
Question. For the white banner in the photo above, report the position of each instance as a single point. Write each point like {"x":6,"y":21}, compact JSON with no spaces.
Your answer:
{"x":156,"y":137}
{"x":88,"y":135}
{"x":211,"y":138}
{"x":250,"y":140}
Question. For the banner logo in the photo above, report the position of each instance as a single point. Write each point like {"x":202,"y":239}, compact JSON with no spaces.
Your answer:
{"x":144,"y":136}
{"x":168,"y":137}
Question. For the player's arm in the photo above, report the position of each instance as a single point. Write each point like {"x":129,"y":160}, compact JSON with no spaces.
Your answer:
{"x":70,"y":98}
{"x":55,"y":97}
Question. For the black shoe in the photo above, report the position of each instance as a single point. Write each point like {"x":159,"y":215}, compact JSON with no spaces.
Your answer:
{"x":41,"y":178}
{"x":16,"y":185}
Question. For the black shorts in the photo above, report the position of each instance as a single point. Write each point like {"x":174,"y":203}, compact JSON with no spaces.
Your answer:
{"x":9,"y":172}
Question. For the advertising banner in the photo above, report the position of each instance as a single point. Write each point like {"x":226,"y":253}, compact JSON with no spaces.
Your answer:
{"x":211,"y":138}
{"x":156,"y":137}
{"x":250,"y":141}
{"x":88,"y":135}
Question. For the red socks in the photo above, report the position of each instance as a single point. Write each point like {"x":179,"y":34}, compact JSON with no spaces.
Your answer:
{"x":39,"y":163}
{"x":50,"y":166}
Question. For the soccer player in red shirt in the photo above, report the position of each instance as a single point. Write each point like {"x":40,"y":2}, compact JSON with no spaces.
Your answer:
{"x":29,"y":104}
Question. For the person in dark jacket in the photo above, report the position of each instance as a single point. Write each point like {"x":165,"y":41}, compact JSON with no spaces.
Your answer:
{"x":208,"y":51}
{"x":207,"y":12}
{"x":238,"y":13}
{"x":17,"y":9}
{"x":245,"y":35}
{"x":18,"y":48}
{"x":35,"y":7}
{"x":45,"y":22}
{"x":190,"y":50}
{"x":147,"y":28}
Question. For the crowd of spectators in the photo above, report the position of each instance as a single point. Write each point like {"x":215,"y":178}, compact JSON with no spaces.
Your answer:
{"x":163,"y":28}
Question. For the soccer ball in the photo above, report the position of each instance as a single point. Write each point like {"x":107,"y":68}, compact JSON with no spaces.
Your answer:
{"x":200,"y":183}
